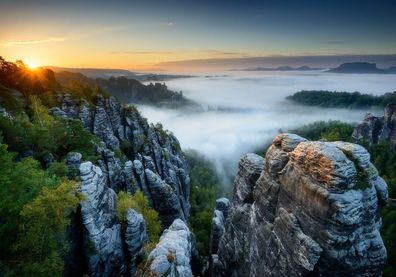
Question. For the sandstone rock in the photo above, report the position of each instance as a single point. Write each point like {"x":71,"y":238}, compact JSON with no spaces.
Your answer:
{"x":171,"y":257}
{"x":375,"y":129}
{"x":56,"y":111}
{"x":165,"y":201}
{"x":103,"y":241}
{"x":73,"y":161}
{"x":135,"y":237}
{"x":223,"y":205}
{"x":314,"y":211}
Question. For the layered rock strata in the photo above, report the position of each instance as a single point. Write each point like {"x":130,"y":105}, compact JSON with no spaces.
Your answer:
{"x":308,"y":209}
{"x":172,"y":255}
{"x":133,"y":154}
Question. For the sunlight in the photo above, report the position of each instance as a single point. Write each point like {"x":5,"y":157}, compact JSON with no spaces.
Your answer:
{"x":32,"y":65}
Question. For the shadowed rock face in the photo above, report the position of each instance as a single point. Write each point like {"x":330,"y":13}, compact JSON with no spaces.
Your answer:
{"x":375,"y":129}
{"x":307,"y":209}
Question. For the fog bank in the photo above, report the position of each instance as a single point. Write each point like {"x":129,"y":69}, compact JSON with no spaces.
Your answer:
{"x":245,"y":110}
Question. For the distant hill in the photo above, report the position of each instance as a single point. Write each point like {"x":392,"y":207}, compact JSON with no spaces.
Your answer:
{"x":129,"y":90}
{"x":279,"y":68}
{"x":337,"y":99}
{"x":107,"y":73}
{"x":362,"y":68}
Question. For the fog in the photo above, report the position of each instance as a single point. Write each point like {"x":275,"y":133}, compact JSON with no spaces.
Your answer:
{"x":245,"y":110}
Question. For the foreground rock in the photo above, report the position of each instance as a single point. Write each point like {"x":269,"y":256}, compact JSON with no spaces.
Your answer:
{"x":172,"y":255}
{"x":376,"y":129}
{"x":308,"y":209}
{"x":135,"y":238}
{"x":102,"y":236}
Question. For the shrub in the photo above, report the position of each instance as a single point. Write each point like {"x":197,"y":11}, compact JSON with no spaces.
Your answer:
{"x":140,"y":204}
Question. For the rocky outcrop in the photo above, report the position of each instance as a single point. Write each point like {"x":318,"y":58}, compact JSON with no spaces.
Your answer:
{"x":172,"y":255}
{"x":133,"y":154}
{"x":102,"y":234}
{"x":307,"y":209}
{"x":135,"y":238}
{"x":375,"y":129}
{"x":218,"y":221}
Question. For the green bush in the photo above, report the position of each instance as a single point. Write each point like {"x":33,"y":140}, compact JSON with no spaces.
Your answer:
{"x":140,"y":204}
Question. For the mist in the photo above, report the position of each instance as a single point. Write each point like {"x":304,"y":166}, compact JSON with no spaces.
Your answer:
{"x":243,"y":111}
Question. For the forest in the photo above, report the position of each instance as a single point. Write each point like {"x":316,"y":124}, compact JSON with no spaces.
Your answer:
{"x":335,"y":99}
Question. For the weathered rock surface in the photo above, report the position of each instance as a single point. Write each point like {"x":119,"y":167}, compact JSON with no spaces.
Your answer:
{"x":135,"y":237}
{"x":218,"y":221}
{"x":309,"y":209}
{"x":172,"y":255}
{"x":375,"y":129}
{"x":145,"y":148}
{"x":103,"y":240}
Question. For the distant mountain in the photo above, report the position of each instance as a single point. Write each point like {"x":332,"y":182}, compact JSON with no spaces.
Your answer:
{"x":107,"y":73}
{"x":362,"y":67}
{"x":279,"y":68}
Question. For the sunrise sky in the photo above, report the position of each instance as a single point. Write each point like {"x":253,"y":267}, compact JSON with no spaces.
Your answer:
{"x":151,"y":35}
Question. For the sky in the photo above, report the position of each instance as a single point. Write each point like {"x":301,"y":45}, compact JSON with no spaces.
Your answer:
{"x":158,"y":35}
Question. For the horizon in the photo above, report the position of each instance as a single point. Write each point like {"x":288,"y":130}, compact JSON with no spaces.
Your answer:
{"x":180,"y":36}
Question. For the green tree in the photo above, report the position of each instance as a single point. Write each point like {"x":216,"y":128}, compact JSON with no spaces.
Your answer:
{"x":19,"y":184}
{"x":41,"y":243}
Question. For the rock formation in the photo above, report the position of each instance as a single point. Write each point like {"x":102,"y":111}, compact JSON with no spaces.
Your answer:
{"x":172,"y":255}
{"x":131,"y":155}
{"x":103,"y":237}
{"x":307,"y":209}
{"x":375,"y":129}
{"x":218,"y":221}
{"x":153,"y":161}
{"x":135,"y":237}
{"x":103,"y":241}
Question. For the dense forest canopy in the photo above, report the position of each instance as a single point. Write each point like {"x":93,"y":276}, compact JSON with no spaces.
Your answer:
{"x":334,"y":99}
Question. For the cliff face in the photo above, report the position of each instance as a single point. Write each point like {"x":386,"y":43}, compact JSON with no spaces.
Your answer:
{"x":150,"y":160}
{"x":375,"y":129}
{"x":307,"y":209}
{"x":154,"y":162}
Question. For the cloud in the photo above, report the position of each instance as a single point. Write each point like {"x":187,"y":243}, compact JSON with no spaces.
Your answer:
{"x":9,"y":43}
{"x":143,"y":52}
{"x":205,"y":53}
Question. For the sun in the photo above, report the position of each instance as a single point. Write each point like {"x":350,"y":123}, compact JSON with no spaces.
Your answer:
{"x":32,"y":65}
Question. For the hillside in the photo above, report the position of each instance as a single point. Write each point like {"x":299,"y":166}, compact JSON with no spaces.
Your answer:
{"x":129,"y":90}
